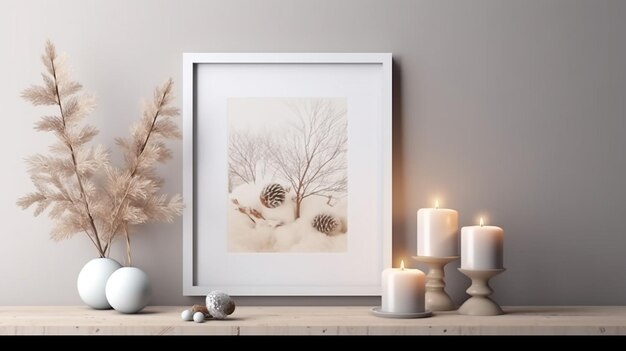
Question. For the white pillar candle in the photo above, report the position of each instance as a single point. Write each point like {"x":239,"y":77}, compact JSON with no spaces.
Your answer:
{"x":481,"y":247}
{"x":437,"y":232}
{"x":404,"y":290}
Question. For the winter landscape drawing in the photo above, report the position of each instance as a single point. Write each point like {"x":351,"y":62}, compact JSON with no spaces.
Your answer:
{"x":287,"y":174}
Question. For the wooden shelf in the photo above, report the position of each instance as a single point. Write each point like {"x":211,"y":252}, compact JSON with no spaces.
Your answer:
{"x":310,"y":321}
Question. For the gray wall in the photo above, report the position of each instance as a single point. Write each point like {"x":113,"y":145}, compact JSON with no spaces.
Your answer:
{"x":511,"y":108}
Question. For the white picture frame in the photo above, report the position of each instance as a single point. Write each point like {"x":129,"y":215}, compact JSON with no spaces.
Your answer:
{"x":209,"y":80}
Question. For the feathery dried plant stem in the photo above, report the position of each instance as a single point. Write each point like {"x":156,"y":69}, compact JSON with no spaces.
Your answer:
{"x":80,"y":201}
{"x":128,"y":255}
{"x":107,"y":247}
{"x":80,"y":181}
{"x":164,"y":95}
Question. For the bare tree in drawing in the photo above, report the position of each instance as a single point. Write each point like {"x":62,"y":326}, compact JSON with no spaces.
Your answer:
{"x":311,"y":154}
{"x":246,"y":156}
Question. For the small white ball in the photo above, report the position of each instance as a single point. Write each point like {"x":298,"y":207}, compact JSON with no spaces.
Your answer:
{"x":198,"y":317}
{"x":187,"y":315}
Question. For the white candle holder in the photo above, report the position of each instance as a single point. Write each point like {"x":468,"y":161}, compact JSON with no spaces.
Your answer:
{"x":480,"y":304}
{"x":436,"y":297}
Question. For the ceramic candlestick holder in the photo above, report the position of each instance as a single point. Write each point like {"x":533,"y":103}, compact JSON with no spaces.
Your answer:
{"x":436,"y":297}
{"x":480,"y":304}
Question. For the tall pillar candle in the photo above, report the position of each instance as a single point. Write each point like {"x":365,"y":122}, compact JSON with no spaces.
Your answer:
{"x":481,"y":247}
{"x":437,"y":232}
{"x":404,"y":290}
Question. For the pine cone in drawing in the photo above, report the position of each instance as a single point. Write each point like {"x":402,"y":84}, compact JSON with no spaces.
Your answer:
{"x":273,"y":195}
{"x":326,"y":224}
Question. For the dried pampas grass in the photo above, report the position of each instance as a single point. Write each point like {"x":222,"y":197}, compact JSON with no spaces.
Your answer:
{"x":106,"y":206}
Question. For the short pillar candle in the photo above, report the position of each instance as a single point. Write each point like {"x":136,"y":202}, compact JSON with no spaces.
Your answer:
{"x":403,"y":290}
{"x":481,"y":247}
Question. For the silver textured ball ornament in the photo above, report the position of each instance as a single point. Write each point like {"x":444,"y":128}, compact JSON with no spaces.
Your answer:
{"x":219,"y":304}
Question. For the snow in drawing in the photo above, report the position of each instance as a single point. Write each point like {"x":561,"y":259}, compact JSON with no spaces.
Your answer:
{"x":287,"y":174}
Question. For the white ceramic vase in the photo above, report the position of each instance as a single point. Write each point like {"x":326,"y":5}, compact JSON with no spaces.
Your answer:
{"x":128,"y":290}
{"x":92,"y":280}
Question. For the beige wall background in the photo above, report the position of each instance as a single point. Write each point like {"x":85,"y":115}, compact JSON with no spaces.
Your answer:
{"x":512,"y":108}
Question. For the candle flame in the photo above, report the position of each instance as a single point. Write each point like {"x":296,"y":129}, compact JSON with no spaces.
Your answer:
{"x":482,"y":222}
{"x":402,"y":265}
{"x":436,"y":204}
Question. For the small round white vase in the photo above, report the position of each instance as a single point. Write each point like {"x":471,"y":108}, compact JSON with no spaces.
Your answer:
{"x":92,"y":280}
{"x":128,"y":290}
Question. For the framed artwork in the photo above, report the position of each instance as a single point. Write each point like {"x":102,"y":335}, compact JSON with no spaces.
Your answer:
{"x":287,"y":173}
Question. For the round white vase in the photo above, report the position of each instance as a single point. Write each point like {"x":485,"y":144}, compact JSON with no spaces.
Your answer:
{"x":128,"y":290}
{"x":92,"y":280}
